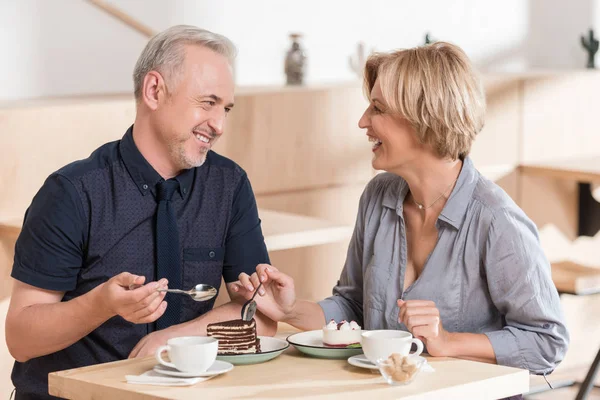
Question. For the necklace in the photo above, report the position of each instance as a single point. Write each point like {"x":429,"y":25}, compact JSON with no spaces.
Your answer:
{"x":422,"y":206}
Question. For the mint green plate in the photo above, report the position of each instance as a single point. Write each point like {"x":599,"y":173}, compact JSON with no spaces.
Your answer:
{"x":270,"y":348}
{"x":311,"y":343}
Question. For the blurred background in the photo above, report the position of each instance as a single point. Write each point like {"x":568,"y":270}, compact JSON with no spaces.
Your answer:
{"x":65,"y":79}
{"x":70,"y":47}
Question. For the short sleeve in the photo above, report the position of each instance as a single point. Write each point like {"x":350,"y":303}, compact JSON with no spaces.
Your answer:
{"x":245,"y":245}
{"x":49,"y":250}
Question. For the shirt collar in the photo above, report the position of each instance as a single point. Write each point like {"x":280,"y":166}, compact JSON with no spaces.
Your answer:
{"x":142,"y":173}
{"x":455,"y":209}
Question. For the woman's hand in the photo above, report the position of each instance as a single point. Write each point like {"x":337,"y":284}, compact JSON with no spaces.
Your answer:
{"x":422,"y":318}
{"x":276,"y":298}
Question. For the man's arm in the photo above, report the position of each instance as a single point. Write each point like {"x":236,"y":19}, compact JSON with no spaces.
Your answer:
{"x":48,"y":257}
{"x":39,"y":323}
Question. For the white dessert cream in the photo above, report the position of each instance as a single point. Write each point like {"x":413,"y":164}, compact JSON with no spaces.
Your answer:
{"x":341,"y":334}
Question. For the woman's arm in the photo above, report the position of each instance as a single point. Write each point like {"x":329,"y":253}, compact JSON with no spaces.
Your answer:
{"x":422,"y":318}
{"x":520,"y":283}
{"x":347,"y":300}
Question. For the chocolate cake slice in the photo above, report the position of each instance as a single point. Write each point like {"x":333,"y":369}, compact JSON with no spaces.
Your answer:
{"x":235,"y":337}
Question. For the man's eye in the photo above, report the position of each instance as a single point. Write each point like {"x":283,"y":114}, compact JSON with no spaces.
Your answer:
{"x":227,"y":109}
{"x":210,"y":103}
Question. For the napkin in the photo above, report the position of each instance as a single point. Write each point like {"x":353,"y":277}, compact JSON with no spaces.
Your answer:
{"x":154,"y":378}
{"x":427,"y":367}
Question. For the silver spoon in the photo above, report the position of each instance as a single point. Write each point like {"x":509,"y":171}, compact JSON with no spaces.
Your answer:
{"x":249,"y":307}
{"x":200,"y":292}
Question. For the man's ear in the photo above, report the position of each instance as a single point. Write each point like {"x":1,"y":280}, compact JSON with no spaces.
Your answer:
{"x":153,"y":89}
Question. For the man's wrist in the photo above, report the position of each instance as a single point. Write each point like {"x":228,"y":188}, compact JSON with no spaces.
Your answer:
{"x":96,"y":304}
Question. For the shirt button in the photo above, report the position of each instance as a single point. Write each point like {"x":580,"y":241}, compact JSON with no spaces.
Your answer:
{"x":184,"y":190}
{"x":145,"y":187}
{"x":546,"y":326}
{"x":211,"y":254}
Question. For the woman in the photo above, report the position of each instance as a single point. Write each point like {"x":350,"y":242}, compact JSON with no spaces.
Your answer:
{"x":437,"y":249}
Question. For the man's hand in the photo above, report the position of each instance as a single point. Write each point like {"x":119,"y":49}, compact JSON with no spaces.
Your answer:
{"x":276,"y":297}
{"x":422,"y":318}
{"x":141,"y":305}
{"x":152,"y":341}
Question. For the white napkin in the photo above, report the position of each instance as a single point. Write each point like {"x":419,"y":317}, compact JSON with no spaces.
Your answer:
{"x":427,"y":367}
{"x":154,"y":378}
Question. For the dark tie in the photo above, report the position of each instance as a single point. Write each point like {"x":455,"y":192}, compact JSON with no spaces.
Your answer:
{"x":167,"y":251}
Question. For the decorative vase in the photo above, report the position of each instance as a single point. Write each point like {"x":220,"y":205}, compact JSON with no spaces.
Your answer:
{"x":295,"y":62}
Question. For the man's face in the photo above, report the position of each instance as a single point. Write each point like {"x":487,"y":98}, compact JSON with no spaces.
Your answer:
{"x":191,"y":117}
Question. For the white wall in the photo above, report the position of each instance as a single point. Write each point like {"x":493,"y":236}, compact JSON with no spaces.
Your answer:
{"x":67,"y":47}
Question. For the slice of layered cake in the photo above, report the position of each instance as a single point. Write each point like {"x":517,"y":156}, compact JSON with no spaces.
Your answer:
{"x":235,"y":337}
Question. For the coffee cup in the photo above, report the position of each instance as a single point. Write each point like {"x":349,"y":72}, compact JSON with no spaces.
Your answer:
{"x":189,"y":353}
{"x":380,"y":344}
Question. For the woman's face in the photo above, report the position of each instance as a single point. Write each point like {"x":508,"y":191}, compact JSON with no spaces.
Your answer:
{"x":395,"y":143}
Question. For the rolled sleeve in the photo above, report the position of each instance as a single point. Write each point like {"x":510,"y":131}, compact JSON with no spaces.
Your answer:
{"x":49,"y":250}
{"x":347,"y":300}
{"x":520,"y":284}
{"x":245,"y":245}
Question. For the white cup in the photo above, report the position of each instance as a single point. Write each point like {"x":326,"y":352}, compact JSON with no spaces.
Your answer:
{"x":189,"y":353}
{"x":381,"y":343}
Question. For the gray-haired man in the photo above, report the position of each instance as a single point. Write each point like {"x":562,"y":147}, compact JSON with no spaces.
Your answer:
{"x":104,"y":233}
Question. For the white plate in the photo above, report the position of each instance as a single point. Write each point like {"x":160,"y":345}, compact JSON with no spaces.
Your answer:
{"x":362,"y":361}
{"x":311,"y":343}
{"x":218,"y":367}
{"x":270,"y":348}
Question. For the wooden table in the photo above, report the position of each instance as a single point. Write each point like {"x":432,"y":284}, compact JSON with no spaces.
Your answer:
{"x":293,"y":375}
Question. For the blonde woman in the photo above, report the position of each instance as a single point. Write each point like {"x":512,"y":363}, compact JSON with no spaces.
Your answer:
{"x":438,"y":249}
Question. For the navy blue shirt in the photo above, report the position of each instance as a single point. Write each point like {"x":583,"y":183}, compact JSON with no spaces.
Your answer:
{"x":95,"y":218}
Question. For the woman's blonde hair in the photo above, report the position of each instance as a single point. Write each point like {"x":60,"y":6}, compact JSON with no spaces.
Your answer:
{"x":435,"y":88}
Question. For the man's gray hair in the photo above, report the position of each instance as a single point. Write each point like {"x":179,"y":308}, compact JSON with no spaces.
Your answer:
{"x":165,"y":53}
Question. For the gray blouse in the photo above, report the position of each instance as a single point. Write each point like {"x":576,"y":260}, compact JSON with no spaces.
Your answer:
{"x":487,"y":273}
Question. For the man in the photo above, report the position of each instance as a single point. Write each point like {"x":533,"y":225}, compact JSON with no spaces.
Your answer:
{"x":157,"y":207}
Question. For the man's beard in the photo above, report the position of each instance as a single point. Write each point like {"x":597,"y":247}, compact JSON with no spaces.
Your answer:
{"x":187,"y":162}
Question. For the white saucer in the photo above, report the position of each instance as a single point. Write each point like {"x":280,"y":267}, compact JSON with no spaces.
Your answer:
{"x":361,"y":361}
{"x":219,"y":367}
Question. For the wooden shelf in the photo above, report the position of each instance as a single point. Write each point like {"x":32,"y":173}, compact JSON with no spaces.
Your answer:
{"x":496,"y":172}
{"x":582,"y":169}
{"x":288,"y":231}
{"x":10,"y":227}
{"x":281,"y":230}
{"x":573,"y":278}
{"x":490,"y":78}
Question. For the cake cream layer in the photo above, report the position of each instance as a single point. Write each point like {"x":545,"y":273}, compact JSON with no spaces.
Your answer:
{"x":235,"y":337}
